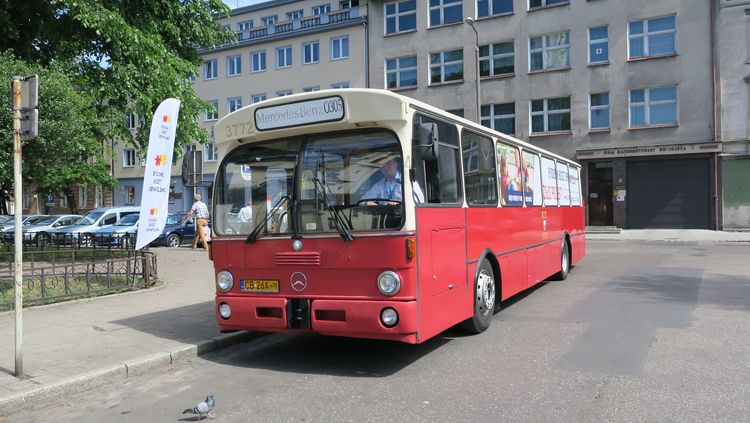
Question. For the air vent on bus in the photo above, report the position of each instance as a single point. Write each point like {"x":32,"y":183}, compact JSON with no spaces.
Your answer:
{"x":298,"y":259}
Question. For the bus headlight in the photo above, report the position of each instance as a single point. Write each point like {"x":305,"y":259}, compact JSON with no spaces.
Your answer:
{"x":224,"y":280}
{"x":389,"y":317}
{"x":225,"y":311}
{"x":389,"y":283}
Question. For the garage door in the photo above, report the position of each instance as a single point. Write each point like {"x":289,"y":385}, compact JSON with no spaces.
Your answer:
{"x":668,"y":194}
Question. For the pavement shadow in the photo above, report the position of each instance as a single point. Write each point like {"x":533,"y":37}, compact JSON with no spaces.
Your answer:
{"x":192,"y":323}
{"x":326,"y":355}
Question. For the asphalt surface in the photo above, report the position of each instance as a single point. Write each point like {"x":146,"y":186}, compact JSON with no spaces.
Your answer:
{"x":640,"y":331}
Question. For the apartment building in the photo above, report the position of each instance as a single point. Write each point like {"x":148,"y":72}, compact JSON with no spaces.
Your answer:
{"x":283,"y":47}
{"x":624,"y":87}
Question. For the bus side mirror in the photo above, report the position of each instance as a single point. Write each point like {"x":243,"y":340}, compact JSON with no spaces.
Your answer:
{"x":428,"y":141}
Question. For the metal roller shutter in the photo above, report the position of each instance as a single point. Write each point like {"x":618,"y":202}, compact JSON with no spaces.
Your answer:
{"x":668,"y":194}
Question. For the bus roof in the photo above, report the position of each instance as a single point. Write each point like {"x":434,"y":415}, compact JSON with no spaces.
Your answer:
{"x":293,"y":115}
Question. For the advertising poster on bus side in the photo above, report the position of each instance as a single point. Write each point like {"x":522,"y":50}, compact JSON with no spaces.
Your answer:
{"x":510,"y":175}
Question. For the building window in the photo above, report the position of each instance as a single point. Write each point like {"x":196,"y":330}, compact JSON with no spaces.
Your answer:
{"x":256,"y":98}
{"x":131,"y":120}
{"x":493,"y":7}
{"x":310,"y":89}
{"x":98,"y":196}
{"x":496,"y":59}
{"x":598,"y":45}
{"x":321,"y":10}
{"x":258,"y":61}
{"x":443,"y":12}
{"x":535,"y":4}
{"x":401,"y":72}
{"x":310,"y":52}
{"x":245,"y":26}
{"x":210,"y":152}
{"x":446,"y":66}
{"x":599,"y":115}
{"x":128,"y":157}
{"x":234,"y":65}
{"x":210,"y":69}
{"x":400,"y":16}
{"x":339,"y":48}
{"x":653,"y":107}
{"x":339,"y":85}
{"x":283,"y":93}
{"x":212,"y":113}
{"x":294,"y":15}
{"x":550,"y":115}
{"x":63,"y":200}
{"x":500,"y":117}
{"x":348,"y":4}
{"x":457,"y":112}
{"x":284,"y":57}
{"x":651,"y":37}
{"x":549,"y":51}
{"x":234,"y":104}
{"x":83,"y":198}
{"x":269,"y":20}
{"x":129,"y":194}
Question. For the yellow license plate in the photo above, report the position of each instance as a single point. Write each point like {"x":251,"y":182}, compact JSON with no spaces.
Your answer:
{"x":260,"y":285}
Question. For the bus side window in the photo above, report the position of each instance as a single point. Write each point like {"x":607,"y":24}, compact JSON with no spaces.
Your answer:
{"x":438,"y":176}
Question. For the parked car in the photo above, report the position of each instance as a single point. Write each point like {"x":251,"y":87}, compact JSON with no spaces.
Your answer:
{"x":82,"y":231}
{"x":39,"y":231}
{"x":175,"y":232}
{"x":25,"y":220}
{"x":5,"y":219}
{"x":122,"y":233}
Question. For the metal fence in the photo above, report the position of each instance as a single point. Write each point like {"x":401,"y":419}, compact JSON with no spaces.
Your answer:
{"x":69,"y":240}
{"x":66,"y":271}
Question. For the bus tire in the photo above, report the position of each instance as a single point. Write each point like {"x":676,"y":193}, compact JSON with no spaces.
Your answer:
{"x":484,"y":300}
{"x":564,"y":262}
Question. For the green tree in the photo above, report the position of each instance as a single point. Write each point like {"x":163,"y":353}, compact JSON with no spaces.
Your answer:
{"x":68,"y":149}
{"x":129,"y":55}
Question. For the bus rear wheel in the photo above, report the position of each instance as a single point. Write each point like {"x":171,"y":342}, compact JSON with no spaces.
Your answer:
{"x":484,"y":300}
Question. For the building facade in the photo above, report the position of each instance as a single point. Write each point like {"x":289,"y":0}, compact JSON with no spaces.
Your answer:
{"x":623,"y":87}
{"x":283,"y":47}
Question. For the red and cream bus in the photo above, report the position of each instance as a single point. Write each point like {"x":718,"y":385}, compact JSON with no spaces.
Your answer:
{"x":367,"y":214}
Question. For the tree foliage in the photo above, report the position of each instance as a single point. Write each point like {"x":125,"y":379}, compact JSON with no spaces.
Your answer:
{"x":128,"y":55}
{"x":68,"y":149}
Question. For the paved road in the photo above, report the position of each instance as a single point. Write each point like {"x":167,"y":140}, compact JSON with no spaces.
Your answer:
{"x":639,"y":332}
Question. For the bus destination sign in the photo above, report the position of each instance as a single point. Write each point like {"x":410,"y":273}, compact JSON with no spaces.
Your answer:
{"x":329,"y":109}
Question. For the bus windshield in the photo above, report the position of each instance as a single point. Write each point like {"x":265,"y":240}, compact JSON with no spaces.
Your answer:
{"x":347,"y":182}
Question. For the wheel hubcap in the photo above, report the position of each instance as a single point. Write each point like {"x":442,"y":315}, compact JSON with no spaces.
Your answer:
{"x":485,"y":293}
{"x":565,"y":260}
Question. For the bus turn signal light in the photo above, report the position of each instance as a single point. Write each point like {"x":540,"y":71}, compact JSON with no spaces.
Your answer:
{"x":411,"y":248}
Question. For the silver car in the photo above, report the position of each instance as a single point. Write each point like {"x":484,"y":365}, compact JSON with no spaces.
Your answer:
{"x":82,"y":231}
{"x":39,"y":231}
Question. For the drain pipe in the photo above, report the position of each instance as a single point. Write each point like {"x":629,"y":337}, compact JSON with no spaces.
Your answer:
{"x":715,"y":113}
{"x":367,"y":48}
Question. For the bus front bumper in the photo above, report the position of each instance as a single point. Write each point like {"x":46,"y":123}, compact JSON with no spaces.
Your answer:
{"x":352,"y":318}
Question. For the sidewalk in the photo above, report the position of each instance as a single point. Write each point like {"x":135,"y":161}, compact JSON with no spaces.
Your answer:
{"x":672,"y":235}
{"x":69,"y":347}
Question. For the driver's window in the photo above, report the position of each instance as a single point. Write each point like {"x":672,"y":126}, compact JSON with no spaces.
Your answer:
{"x":439,"y":176}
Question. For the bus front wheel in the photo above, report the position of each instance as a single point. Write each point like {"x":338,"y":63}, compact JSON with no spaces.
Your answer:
{"x":484,"y":300}
{"x":564,"y":262}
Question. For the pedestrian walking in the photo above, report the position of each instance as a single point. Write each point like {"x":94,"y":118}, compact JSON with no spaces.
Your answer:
{"x":200,"y":210}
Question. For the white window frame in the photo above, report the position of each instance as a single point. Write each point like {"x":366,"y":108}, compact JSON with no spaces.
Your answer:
{"x":98,"y":196}
{"x":397,"y":72}
{"x":442,"y":64}
{"x":647,"y":104}
{"x":127,"y":189}
{"x":210,"y":69}
{"x":83,"y":196}
{"x":234,"y":65}
{"x":245,"y":25}
{"x":337,"y":51}
{"x":592,"y":43}
{"x":546,"y":3}
{"x":492,"y":57}
{"x":545,"y":49}
{"x":646,"y":34}
{"x":546,"y":113}
{"x":593,"y":108}
{"x":444,"y":4}
{"x":270,"y":20}
{"x":311,"y":89}
{"x":262,"y":59}
{"x":212,"y":115}
{"x":287,"y":52}
{"x":234,"y":103}
{"x":128,"y":157}
{"x":340,"y":85}
{"x":256,"y":98}
{"x":322,"y":9}
{"x":492,"y":116}
{"x":295,"y":15}
{"x":210,"y":152}
{"x":284,"y":93}
{"x":132,"y":121}
{"x":313,"y":47}
{"x":63,"y":200}
{"x":492,"y":12}
{"x":397,"y":16}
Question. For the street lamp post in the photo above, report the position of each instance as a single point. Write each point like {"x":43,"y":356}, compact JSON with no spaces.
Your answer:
{"x":470,"y":22}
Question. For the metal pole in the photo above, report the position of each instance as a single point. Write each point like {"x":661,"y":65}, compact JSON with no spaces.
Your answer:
{"x":18,"y":201}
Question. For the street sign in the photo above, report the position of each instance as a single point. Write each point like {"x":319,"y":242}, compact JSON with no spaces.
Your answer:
{"x":29,"y":124}
{"x":50,"y":199}
{"x":28,"y":105}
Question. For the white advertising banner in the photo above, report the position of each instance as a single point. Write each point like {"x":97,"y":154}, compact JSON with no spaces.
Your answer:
{"x":158,"y":172}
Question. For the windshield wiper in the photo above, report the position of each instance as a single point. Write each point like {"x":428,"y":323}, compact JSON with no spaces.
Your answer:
{"x":258,"y":228}
{"x":335,"y":213}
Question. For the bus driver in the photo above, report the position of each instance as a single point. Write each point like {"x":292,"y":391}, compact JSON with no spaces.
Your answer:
{"x":389,"y":188}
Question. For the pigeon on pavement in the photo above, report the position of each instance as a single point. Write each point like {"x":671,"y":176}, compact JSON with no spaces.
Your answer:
{"x":203,"y":408}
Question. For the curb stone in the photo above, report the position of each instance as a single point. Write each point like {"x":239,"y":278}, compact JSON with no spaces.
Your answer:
{"x":139,"y":366}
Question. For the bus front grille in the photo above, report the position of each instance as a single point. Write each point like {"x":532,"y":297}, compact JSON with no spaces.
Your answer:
{"x":298,"y":259}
